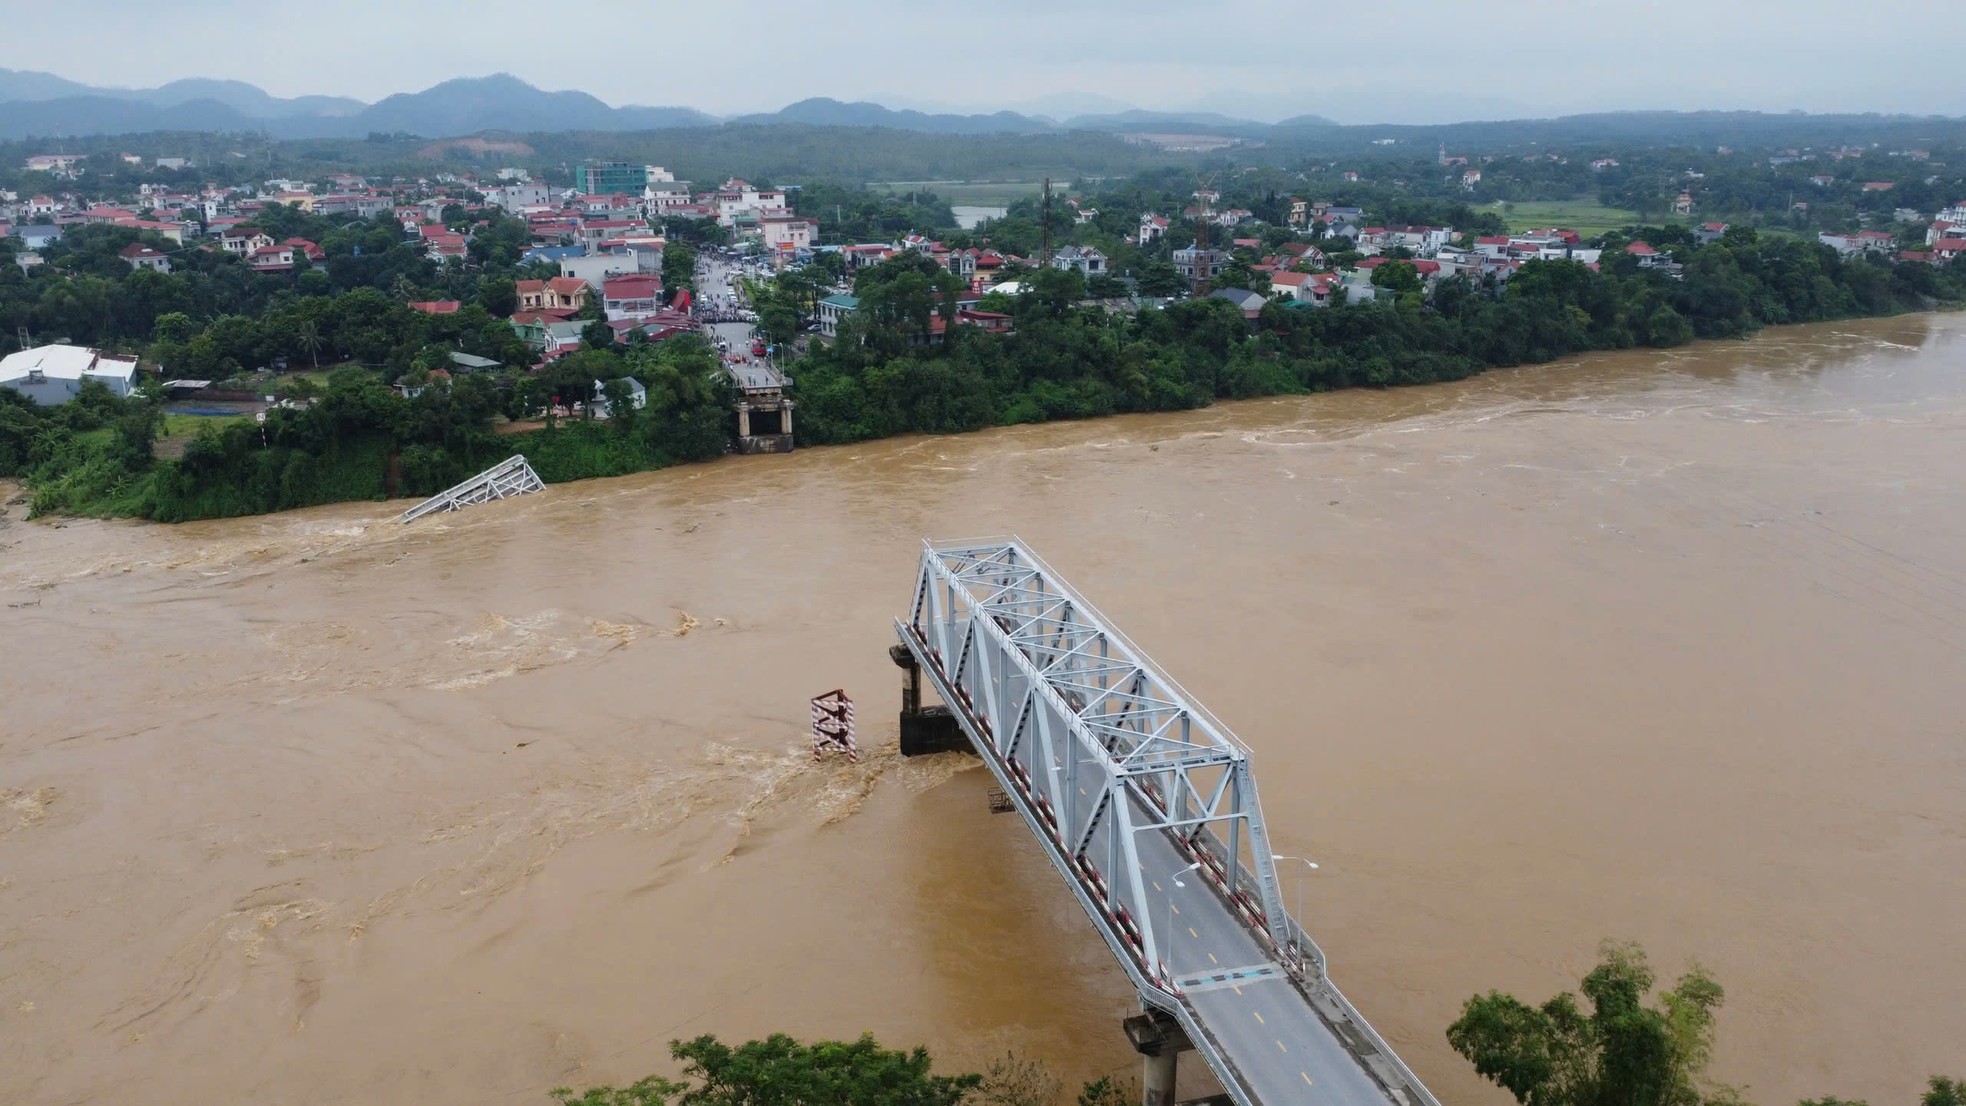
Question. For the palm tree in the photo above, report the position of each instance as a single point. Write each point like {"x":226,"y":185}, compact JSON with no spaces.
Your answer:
{"x":308,"y":337}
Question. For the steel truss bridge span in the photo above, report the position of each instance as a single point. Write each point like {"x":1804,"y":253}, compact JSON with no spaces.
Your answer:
{"x":1147,"y":805}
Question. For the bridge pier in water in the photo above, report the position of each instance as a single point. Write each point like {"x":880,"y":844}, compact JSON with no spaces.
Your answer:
{"x":1160,"y":1040}
{"x":924,"y":730}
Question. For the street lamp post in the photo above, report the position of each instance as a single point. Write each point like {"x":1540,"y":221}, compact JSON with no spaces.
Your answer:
{"x":1168,"y":953}
{"x":1311,"y":866}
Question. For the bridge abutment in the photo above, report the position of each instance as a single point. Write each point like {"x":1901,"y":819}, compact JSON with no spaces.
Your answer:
{"x":924,"y":730}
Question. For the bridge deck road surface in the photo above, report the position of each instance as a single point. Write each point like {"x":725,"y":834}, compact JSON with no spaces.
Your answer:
{"x":1265,"y":1026}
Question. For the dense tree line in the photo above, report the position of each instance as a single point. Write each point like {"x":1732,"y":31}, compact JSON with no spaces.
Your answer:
{"x":213,"y":317}
{"x":890,"y":374}
{"x":360,"y":439}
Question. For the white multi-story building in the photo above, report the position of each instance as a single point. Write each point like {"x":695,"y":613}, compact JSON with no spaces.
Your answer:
{"x":737,"y":198}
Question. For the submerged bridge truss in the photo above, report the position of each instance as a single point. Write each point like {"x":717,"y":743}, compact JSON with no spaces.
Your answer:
{"x":1130,"y":785}
{"x":512,"y":476}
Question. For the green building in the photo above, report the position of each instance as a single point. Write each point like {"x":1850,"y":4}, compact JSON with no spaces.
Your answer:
{"x":605,"y":178}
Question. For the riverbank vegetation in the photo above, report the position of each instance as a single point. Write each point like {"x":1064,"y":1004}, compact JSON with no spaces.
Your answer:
{"x":1620,"y":1051}
{"x":901,"y":365}
{"x":780,"y":1071}
{"x":1607,"y":1047}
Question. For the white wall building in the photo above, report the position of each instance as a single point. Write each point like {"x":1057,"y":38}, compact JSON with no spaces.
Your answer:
{"x":595,"y":268}
{"x":51,"y":375}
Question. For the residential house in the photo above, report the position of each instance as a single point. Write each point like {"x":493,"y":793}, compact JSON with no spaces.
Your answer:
{"x":1248,"y":302}
{"x":37,"y":237}
{"x":1650,"y":258}
{"x":1879,"y":186}
{"x":58,"y":164}
{"x":1863,"y":241}
{"x":559,"y":294}
{"x":832,"y":309}
{"x":1709,"y":232}
{"x":243,"y":239}
{"x":598,"y":267}
{"x":1683,"y":205}
{"x":1947,"y":250}
{"x":863,"y":255}
{"x":1311,"y":288}
{"x":631,"y":298}
{"x":140,"y":256}
{"x":436,"y":307}
{"x":446,"y":247}
{"x":1198,"y":266}
{"x":787,"y":233}
{"x":53,"y":375}
{"x":1470,"y":179}
{"x":1088,"y":260}
{"x":638,"y":396}
{"x":272,"y":259}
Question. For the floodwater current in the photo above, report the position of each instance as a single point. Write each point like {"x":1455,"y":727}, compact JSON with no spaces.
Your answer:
{"x":1667,"y":646}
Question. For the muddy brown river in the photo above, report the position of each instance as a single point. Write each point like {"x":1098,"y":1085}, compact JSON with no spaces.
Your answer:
{"x":316,"y":808}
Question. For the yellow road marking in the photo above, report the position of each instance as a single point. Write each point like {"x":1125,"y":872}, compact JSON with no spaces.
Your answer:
{"x":1259,"y":1018}
{"x":1192,"y":933}
{"x":1212,"y":960}
{"x":1238,"y":990}
{"x":1307,"y":1079}
{"x":1280,"y":1047}
{"x":1174,"y":908}
{"x":1156,"y":886}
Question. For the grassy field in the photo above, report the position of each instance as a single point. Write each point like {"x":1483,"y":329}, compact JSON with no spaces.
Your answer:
{"x":978,"y":193}
{"x":1586,"y":217}
{"x":186,"y":426}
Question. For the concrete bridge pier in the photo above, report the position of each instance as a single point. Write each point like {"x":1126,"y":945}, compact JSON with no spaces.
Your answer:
{"x":924,"y":730}
{"x":1160,"y":1040}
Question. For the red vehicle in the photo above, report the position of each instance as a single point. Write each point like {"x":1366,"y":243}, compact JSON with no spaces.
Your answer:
{"x":757,"y":347}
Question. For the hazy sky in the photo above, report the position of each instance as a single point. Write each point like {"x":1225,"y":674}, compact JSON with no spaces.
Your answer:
{"x":1391,"y":61}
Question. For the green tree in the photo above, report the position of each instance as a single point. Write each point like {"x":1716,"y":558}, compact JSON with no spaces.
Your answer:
{"x":1160,"y":278}
{"x":307,"y":336}
{"x":678,"y":266}
{"x":1620,"y":1053}
{"x":1015,"y":1081}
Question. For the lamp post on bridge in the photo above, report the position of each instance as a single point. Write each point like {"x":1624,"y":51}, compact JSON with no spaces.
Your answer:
{"x":1174,"y":878}
{"x":1310,"y":866}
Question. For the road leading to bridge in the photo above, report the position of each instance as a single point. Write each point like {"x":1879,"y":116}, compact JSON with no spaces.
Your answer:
{"x":1146,"y":804}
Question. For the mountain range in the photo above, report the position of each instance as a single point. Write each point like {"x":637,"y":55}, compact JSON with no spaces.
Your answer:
{"x":45,"y":105}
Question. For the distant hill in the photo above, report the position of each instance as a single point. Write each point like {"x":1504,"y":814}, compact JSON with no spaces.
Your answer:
{"x":50,"y":106}
{"x":820,"y":111}
{"x":501,"y":102}
{"x":47,"y":105}
{"x":1137,"y":120}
